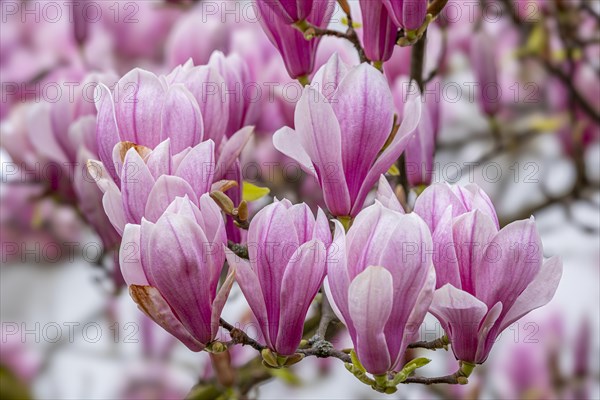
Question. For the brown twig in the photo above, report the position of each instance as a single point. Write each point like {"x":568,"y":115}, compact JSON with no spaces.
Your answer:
{"x":240,"y":337}
{"x":440,"y":343}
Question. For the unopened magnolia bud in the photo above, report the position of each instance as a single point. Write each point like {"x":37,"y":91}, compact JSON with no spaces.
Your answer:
{"x":223,"y":201}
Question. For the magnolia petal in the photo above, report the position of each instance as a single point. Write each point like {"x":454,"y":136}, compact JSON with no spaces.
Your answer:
{"x":154,"y":306}
{"x":370,"y":298}
{"x":363,"y":105}
{"x":391,"y":153}
{"x":415,"y":319}
{"x":220,"y":300}
{"x":130,"y":258}
{"x":165,"y":190}
{"x":183,"y":268}
{"x":181,"y":120}
{"x":511,"y":261}
{"x":198,"y":167}
{"x":460,"y":314}
{"x":248,"y":281}
{"x":139,"y":98}
{"x":445,"y":256}
{"x":539,"y":292}
{"x":112,"y":201}
{"x":288,"y":142}
{"x":301,"y":281}
{"x":159,"y":160}
{"x":471,"y":233}
{"x":319,"y":131}
{"x":232,"y":150}
{"x":338,"y":280}
{"x":433,"y":202}
{"x":329,"y":76}
{"x":207,"y":85}
{"x":386,"y":196}
{"x":136,"y":185}
{"x":488,"y":331}
{"x":107,"y":132}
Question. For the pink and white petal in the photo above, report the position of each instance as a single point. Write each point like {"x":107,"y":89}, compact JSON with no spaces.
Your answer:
{"x":165,"y":190}
{"x":471,"y":234}
{"x":329,"y":76}
{"x":433,"y":202}
{"x":136,"y":185}
{"x":182,"y":269}
{"x":181,"y":120}
{"x":393,"y":151}
{"x":288,"y":142}
{"x":415,"y":319}
{"x":363,"y":105}
{"x":139,"y":101}
{"x":338,"y":280}
{"x":460,"y":314}
{"x":511,"y":261}
{"x":130,"y":258}
{"x":198,"y":167}
{"x":107,"y":131}
{"x":220,"y":300}
{"x":207,"y":85}
{"x":232,"y":149}
{"x":320,"y":135}
{"x":386,"y":196}
{"x":488,"y":332}
{"x":370,"y":298}
{"x":154,"y":306}
{"x":539,"y":292}
{"x":321,"y":230}
{"x":301,"y":281}
{"x":159,"y":160}
{"x":112,"y":201}
{"x":248,"y":281}
{"x":445,"y":256}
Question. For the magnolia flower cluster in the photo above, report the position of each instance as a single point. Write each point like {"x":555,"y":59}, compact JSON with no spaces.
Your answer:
{"x":382,"y":269}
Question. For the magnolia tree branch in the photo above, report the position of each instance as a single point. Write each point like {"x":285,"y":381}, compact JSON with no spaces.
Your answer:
{"x":310,"y":31}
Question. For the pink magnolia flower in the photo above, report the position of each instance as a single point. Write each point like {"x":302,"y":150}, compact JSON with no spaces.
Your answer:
{"x":151,"y":179}
{"x":287,"y":250}
{"x":407,"y":14}
{"x":172,"y":268}
{"x":343,"y":123}
{"x":379,"y":30}
{"x":186,"y":106}
{"x":298,"y":53}
{"x":380,"y":283}
{"x":487,"y":277}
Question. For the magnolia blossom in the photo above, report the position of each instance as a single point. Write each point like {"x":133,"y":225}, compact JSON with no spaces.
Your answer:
{"x":186,"y":106}
{"x":172,"y":268}
{"x":298,"y":53}
{"x":379,"y":31}
{"x":287,"y":250}
{"x":488,"y":277}
{"x":343,"y":124}
{"x":151,"y":179}
{"x":381,"y":280}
